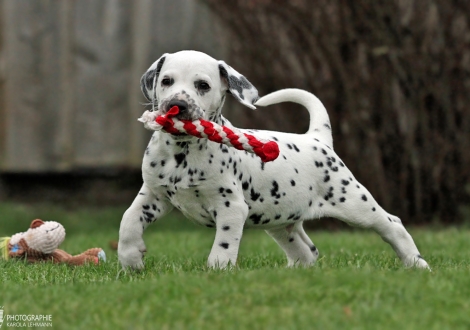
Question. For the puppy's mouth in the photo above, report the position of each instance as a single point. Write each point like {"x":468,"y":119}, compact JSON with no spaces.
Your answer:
{"x":169,"y":125}
{"x":179,"y":114}
{"x":187,"y":107}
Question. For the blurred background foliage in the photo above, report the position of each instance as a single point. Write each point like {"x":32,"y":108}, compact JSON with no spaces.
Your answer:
{"x":393,"y":75}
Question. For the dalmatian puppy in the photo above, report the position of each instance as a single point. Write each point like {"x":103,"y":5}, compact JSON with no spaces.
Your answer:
{"x":228,"y":189}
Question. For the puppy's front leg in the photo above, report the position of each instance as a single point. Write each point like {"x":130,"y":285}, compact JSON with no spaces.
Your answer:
{"x":145,"y":209}
{"x":230,"y":219}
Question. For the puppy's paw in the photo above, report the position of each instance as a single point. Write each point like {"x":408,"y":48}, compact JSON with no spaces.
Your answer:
{"x":417,"y":262}
{"x":131,"y":255}
{"x":220,"y":262}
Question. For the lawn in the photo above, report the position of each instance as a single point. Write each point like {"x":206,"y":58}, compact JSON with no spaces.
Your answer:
{"x":357,"y":283}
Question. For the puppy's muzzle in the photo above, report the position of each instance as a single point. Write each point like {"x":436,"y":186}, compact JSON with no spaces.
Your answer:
{"x":181,"y":104}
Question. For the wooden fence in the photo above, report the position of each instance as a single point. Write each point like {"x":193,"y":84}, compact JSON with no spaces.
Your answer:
{"x":70,"y":71}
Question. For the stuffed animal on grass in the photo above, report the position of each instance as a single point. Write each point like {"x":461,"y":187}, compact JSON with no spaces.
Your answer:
{"x":40,"y":243}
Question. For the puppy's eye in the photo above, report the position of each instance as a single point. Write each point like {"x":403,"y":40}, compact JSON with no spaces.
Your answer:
{"x":202,"y":86}
{"x":167,"y":82}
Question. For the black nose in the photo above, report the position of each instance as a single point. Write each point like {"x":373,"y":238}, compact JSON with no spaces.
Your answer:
{"x":182,"y":105}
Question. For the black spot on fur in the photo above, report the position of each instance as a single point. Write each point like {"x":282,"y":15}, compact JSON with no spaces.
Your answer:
{"x":224,"y":245}
{"x":256,"y":218}
{"x":274,"y":189}
{"x":364,"y":198}
{"x":179,"y":158}
{"x":254,"y":195}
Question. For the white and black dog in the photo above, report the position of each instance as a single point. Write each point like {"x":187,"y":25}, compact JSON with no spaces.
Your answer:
{"x":229,"y":189}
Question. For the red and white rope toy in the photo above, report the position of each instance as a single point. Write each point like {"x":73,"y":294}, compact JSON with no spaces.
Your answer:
{"x":265,"y":149}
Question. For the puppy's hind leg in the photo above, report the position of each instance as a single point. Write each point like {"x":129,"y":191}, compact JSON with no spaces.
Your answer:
{"x":361,"y":210}
{"x":296,"y":244}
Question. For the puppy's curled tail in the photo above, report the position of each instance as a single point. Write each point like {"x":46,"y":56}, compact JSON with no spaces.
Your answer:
{"x":319,"y":119}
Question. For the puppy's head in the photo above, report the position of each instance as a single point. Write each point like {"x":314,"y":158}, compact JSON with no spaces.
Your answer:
{"x":196,"y":83}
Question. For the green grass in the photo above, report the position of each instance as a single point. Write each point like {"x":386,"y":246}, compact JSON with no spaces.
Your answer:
{"x":357,"y":283}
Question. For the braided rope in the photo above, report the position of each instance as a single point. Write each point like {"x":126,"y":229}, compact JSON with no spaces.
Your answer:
{"x":200,"y":128}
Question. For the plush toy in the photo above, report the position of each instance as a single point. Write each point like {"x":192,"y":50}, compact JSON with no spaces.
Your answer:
{"x":265,"y":149}
{"x":40,"y":243}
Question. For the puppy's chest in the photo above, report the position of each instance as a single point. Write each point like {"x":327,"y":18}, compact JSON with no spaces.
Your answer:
{"x":187,"y":164}
{"x":180,"y":169}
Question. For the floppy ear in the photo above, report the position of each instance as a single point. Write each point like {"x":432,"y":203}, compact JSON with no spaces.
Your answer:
{"x":238,"y":85}
{"x":150,"y":78}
